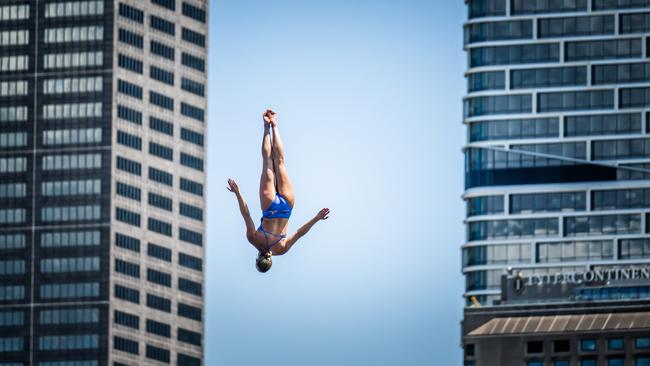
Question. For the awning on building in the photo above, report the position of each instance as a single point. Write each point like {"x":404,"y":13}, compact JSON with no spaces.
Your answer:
{"x":563,"y":324}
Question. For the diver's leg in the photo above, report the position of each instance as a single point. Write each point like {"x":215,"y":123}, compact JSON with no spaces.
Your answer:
{"x":267,"y":180}
{"x":285,"y":187}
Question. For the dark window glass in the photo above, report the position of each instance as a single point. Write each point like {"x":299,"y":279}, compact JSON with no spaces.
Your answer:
{"x":129,"y":63}
{"x":635,"y":23}
{"x":620,"y":73}
{"x":128,"y":294}
{"x":512,"y":55}
{"x":194,"y":12}
{"x":161,"y":151}
{"x":191,"y":187}
{"x":491,"y":80}
{"x":193,"y":37}
{"x":187,"y":336}
{"x":535,"y":347}
{"x":620,"y":199}
{"x":192,"y":162}
{"x":485,"y":205}
{"x":572,"y":251}
{"x":185,"y":360}
{"x":161,"y":125}
{"x":159,"y":252}
{"x":160,"y":176}
{"x":126,"y":319}
{"x":514,"y":129}
{"x":192,"y":87}
{"x":193,"y":112}
{"x":130,"y":38}
{"x":192,"y":137}
{"x":548,"y":6}
{"x":548,"y":77}
{"x":193,"y":62}
{"x":169,"y":4}
{"x":190,"y":312}
{"x":190,"y":236}
{"x":619,"y":4}
{"x":634,"y":97}
{"x":127,"y":268}
{"x":561,"y":345}
{"x":602,"y":124}
{"x":159,"y":227}
{"x":506,"y":229}
{"x":485,"y":8}
{"x":497,"y":31}
{"x":189,"y":261}
{"x":575,"y":26}
{"x":499,"y":104}
{"x":634,"y":249}
{"x":190,"y":211}
{"x":615,"y":344}
{"x":189,"y":286}
{"x":129,"y":89}
{"x":602,"y":225}
{"x":132,"y":13}
{"x":161,"y":100}
{"x":161,"y":75}
{"x":588,"y":362}
{"x":620,"y":149}
{"x":129,"y":140}
{"x":160,"y":201}
{"x":618,"y":361}
{"x":162,"y":50}
{"x":127,"y":242}
{"x":602,"y":50}
{"x":128,"y":191}
{"x":129,"y":114}
{"x":642,"y":361}
{"x":125,"y":345}
{"x":163,"y":25}
{"x":469,"y":350}
{"x":128,"y":217}
{"x":548,"y":202}
{"x":159,"y":303}
{"x":642,"y":343}
{"x":157,"y":328}
{"x":575,"y":101}
{"x":160,"y":278}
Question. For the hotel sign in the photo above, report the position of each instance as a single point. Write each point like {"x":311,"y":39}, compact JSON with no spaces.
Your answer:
{"x":600,"y":275}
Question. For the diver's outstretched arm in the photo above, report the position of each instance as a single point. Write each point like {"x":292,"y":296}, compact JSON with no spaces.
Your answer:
{"x":291,"y":240}
{"x":245,"y":212}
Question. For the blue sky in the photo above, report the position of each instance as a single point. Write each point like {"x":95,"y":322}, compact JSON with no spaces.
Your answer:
{"x":368,"y":95}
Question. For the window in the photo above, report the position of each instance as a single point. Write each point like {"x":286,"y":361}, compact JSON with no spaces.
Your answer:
{"x":158,"y":354}
{"x":132,"y":13}
{"x":602,"y":50}
{"x":193,"y":87}
{"x":12,"y":241}
{"x":162,"y":126}
{"x":634,"y":97}
{"x":65,"y":239}
{"x":602,"y":124}
{"x":190,"y":211}
{"x":130,"y":38}
{"x":162,"y":25}
{"x":69,"y":290}
{"x":189,"y":286}
{"x":190,"y":312}
{"x":129,"y":114}
{"x":129,"y":89}
{"x":575,"y":101}
{"x":161,"y":151}
{"x":161,"y":100}
{"x":128,"y":191}
{"x":514,"y":129}
{"x":157,"y":328}
{"x":642,"y":343}
{"x":588,"y":345}
{"x":129,"y":166}
{"x":13,"y":139}
{"x":619,"y":4}
{"x":616,"y":361}
{"x":159,"y":227}
{"x":498,"y":31}
{"x":193,"y":12}
{"x":620,"y":149}
{"x":169,"y":4}
{"x":126,"y":319}
{"x":14,"y":165}
{"x":193,"y":62}
{"x":602,"y":225}
{"x":14,"y":63}
{"x":575,"y":26}
{"x":74,"y":8}
{"x":161,"y":75}
{"x":192,"y":111}
{"x":129,"y":140}
{"x":127,"y":268}
{"x":621,"y":73}
{"x":635,"y":23}
{"x":13,"y":88}
{"x":74,"y":34}
{"x":73,"y":85}
{"x":12,"y":216}
{"x":191,"y":262}
{"x":12,"y":318}
{"x":512,"y":55}
{"x":127,"y":242}
{"x":193,"y":37}
{"x":187,"y":336}
{"x":190,"y":236}
{"x":548,"y":202}
{"x":71,"y":187}
{"x":12,"y":267}
{"x":618,"y":199}
{"x":537,"y":7}
{"x":13,"y":114}
{"x":159,"y":252}
{"x":548,"y":77}
{"x":615,"y":344}
{"x":499,"y":104}
{"x":13,"y":190}
{"x":74,"y":110}
{"x":159,"y":303}
{"x":68,"y":342}
{"x":485,"y":8}
{"x":574,"y":251}
{"x":12,"y":293}
{"x":192,"y":162}
{"x":159,"y":201}
{"x":589,"y":362}
{"x":191,"y":187}
{"x":69,"y":316}
{"x":503,"y":229}
{"x":490,"y":80}
{"x":14,"y":12}
{"x":11,"y":344}
{"x":127,"y":293}
{"x":129,"y":63}
{"x":70,"y":213}
{"x":125,"y":345}
{"x":69,"y":265}
{"x":634,"y":248}
{"x":127,"y":217}
{"x":535,"y":347}
{"x":73,"y":60}
{"x":162,"y":50}
{"x":642,"y":361}
{"x":160,"y":176}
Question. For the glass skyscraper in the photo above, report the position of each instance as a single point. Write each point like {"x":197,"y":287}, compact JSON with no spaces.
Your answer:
{"x":102,"y":182}
{"x":545,"y":78}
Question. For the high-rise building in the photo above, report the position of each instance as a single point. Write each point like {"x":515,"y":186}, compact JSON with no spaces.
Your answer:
{"x":547,"y":78}
{"x":102,"y":179}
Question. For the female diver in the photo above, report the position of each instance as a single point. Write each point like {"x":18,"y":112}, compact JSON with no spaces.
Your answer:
{"x":276,"y":200}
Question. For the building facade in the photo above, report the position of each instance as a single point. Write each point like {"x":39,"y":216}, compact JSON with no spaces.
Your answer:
{"x":102,"y":178}
{"x":567,"y":78}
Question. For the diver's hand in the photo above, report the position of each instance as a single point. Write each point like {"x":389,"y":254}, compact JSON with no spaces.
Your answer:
{"x":269,"y":117}
{"x":323,"y":214}
{"x":232,"y":186}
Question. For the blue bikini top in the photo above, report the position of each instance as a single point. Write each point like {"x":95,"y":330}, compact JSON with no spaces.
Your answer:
{"x":278,"y":209}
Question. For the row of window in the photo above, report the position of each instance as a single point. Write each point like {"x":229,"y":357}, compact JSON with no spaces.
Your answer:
{"x":13,"y":139}
{"x":137,"y":15}
{"x":160,"y":125}
{"x":73,"y":60}
{"x":70,"y":213}
{"x":13,"y":190}
{"x":14,"y":63}
{"x":74,"y":9}
{"x":158,"y":252}
{"x":69,"y":265}
{"x":486,"y":8}
{"x":68,"y":239}
{"x":73,"y":85}
{"x":482,"y":159}
{"x":69,"y":290}
{"x":69,"y":316}
{"x":13,"y":88}
{"x":14,"y":12}
{"x":13,"y":114}
{"x":153,"y":352}
{"x":68,"y":342}
{"x":72,"y":110}
{"x":157,"y":302}
{"x":72,"y":136}
{"x":74,"y":34}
